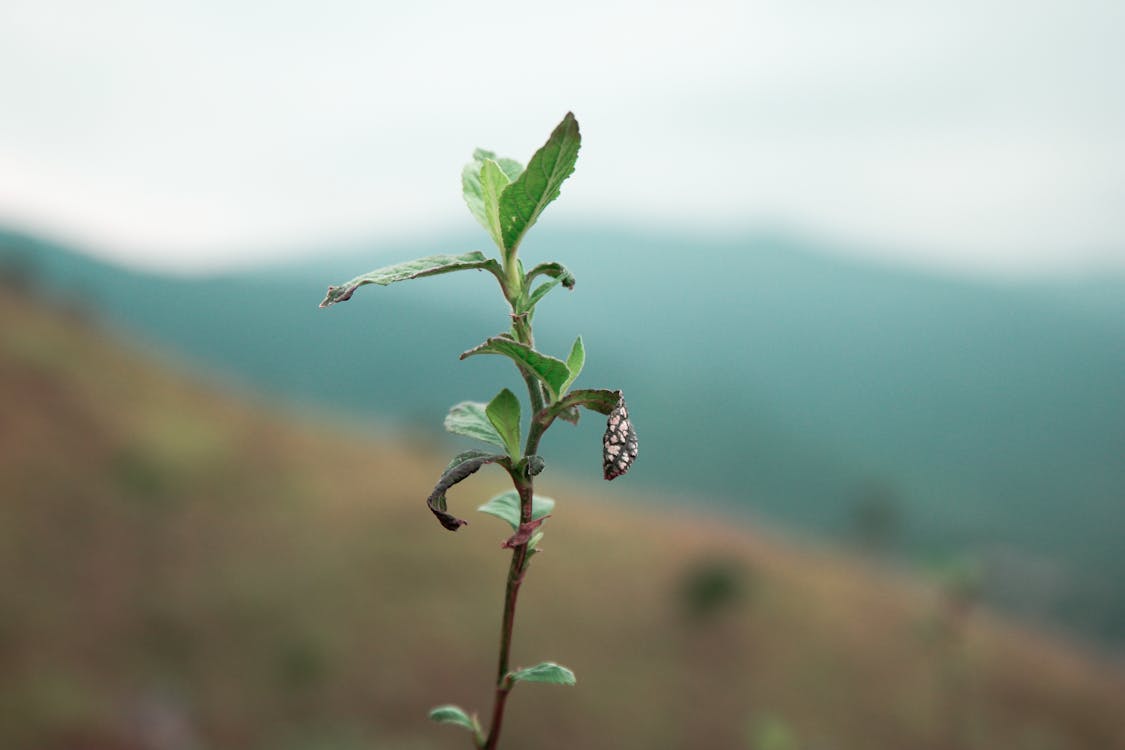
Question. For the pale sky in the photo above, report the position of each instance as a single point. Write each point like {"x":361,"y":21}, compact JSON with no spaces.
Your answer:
{"x":978,"y":136}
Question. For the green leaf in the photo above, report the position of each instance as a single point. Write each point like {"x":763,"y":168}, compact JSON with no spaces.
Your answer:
{"x":546,"y":672}
{"x":552,"y":372}
{"x":533,"y":543}
{"x":451,"y":714}
{"x":511,"y":167}
{"x":472,"y":185}
{"x":600,"y":400}
{"x":503,"y":411}
{"x":555,"y":271}
{"x":431,"y":265}
{"x":473,"y":192}
{"x":539,"y":184}
{"x":492,"y":182}
{"x":506,"y":506}
{"x":575,"y":361}
{"x":469,"y":418}
{"x":539,"y":293}
{"x":558,"y":274}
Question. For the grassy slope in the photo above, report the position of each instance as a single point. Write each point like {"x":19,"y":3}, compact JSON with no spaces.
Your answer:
{"x":988,"y":418}
{"x":174,"y":561}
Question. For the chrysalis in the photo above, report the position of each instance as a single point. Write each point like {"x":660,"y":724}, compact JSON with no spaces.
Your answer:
{"x":619,"y":444}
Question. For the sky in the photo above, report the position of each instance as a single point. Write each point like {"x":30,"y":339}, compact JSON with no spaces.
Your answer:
{"x":983,"y":137}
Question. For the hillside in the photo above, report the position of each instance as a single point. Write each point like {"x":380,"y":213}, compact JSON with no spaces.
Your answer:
{"x":183,"y":569}
{"x":984,"y":419}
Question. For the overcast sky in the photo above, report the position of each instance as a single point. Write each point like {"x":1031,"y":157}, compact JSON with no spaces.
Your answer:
{"x":979,"y":136}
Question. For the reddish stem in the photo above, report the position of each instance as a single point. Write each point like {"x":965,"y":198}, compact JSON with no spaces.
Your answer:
{"x":512,"y":590}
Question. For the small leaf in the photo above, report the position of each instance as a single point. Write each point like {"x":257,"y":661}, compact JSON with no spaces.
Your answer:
{"x":552,"y":372}
{"x":546,"y":672}
{"x":458,"y":471}
{"x":554,"y":270}
{"x":506,"y":506}
{"x":511,"y":167}
{"x":557,"y":273}
{"x":468,"y":418}
{"x":539,"y":184}
{"x":492,"y":182}
{"x":539,"y":293}
{"x":451,"y":715}
{"x":600,"y":400}
{"x":431,"y":265}
{"x":575,"y":361}
{"x":503,"y":412}
{"x":473,"y":188}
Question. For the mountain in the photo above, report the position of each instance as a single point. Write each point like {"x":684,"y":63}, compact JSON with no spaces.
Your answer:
{"x":183,"y":568}
{"x":938,"y":416}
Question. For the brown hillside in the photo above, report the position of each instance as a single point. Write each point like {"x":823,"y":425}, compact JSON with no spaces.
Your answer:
{"x":181,"y":569}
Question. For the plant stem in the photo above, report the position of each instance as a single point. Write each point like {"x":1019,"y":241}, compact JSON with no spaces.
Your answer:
{"x":524,"y":485}
{"x":512,"y":589}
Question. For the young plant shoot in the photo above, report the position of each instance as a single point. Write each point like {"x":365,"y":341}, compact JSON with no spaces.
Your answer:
{"x":507,"y":199}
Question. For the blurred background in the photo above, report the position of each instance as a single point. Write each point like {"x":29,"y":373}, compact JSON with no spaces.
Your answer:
{"x":859,"y":270}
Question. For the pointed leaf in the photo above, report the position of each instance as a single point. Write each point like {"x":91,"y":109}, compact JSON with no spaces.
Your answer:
{"x":451,"y":714}
{"x":527,"y":196}
{"x":552,"y":372}
{"x":468,"y":418}
{"x":539,"y":293}
{"x":503,"y":412}
{"x":557,"y":273}
{"x":601,"y":400}
{"x":548,"y":671}
{"x":575,"y":361}
{"x":554,"y":270}
{"x":492,"y":182}
{"x":533,"y":543}
{"x":457,"y":472}
{"x":506,"y":506}
{"x":414,"y":269}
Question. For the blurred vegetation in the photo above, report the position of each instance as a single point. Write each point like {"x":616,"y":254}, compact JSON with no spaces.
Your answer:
{"x":916,"y":415}
{"x":179,"y":569}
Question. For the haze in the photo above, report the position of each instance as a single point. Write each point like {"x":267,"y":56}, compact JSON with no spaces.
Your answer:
{"x":982,"y":138}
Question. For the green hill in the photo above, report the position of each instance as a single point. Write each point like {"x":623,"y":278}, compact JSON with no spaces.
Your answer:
{"x":183,"y":569}
{"x":774,"y":381}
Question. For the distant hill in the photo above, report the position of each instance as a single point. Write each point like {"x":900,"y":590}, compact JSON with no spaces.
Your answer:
{"x":765,"y":378}
{"x":180,"y":568}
